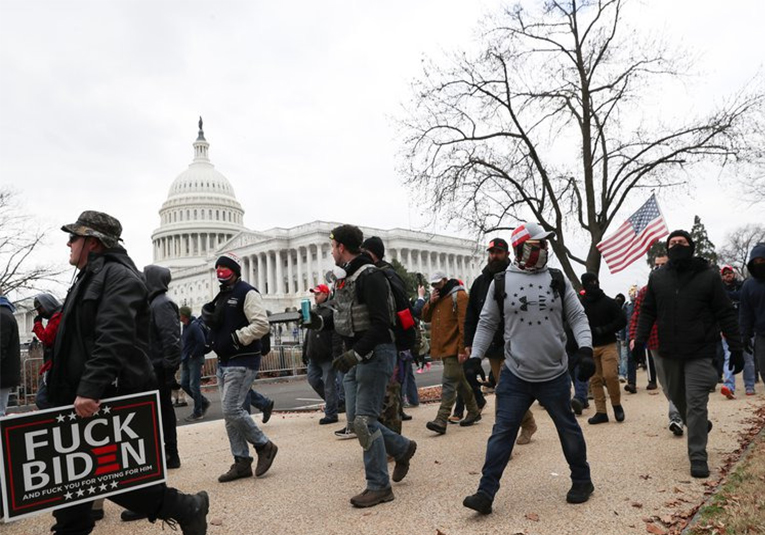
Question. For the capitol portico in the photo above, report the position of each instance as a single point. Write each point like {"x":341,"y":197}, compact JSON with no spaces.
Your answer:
{"x":202,"y":218}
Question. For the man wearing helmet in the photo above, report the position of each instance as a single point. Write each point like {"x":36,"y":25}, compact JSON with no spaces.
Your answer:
{"x":535,"y":303}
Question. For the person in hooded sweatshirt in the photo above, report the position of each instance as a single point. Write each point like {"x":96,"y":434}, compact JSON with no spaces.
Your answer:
{"x":48,"y":308}
{"x":10,"y":352}
{"x":536,"y":363}
{"x":752,"y":307}
{"x":688,"y":302}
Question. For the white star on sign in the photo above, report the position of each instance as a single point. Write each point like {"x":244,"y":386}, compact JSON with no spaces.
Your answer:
{"x":80,"y":493}
{"x":106,"y":409}
{"x":72,"y":416}
{"x":68,"y":495}
{"x":102,"y":487}
{"x":92,"y":490}
{"x":114,"y":484}
{"x":60,"y":418}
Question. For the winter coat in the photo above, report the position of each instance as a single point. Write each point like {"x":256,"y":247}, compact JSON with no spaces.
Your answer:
{"x":447,"y":322}
{"x":690,"y":306}
{"x":165,"y":337}
{"x":193,"y":340}
{"x":317,"y":345}
{"x":605,"y":315}
{"x":102,"y":346}
{"x":10,"y":349}
{"x":752,"y":304}
{"x":476,"y":299}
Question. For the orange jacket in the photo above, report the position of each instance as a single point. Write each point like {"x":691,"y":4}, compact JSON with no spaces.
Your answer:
{"x":447,"y":323}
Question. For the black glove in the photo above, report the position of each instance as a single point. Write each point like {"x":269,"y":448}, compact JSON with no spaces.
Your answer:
{"x":38,"y":318}
{"x":748,"y":347}
{"x":316,"y":322}
{"x":346,"y":361}
{"x":586,"y":363}
{"x":599,"y":331}
{"x":736,"y":362}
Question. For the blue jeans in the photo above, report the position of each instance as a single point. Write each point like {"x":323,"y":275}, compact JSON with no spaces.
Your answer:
{"x":234,"y":383}
{"x":624,"y":351}
{"x":5,"y":394}
{"x":323,"y":379}
{"x":580,"y":388}
{"x":191,"y":375}
{"x":514,"y":396}
{"x":365,"y":386}
{"x":730,"y":379}
{"x":408,"y":384}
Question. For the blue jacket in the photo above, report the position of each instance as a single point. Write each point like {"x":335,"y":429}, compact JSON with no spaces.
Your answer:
{"x":193,"y":342}
{"x":751,"y":308}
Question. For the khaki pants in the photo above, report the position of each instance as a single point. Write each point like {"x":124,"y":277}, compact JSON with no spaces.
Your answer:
{"x":528,"y":421}
{"x":606,"y":372}
{"x":453,"y":381}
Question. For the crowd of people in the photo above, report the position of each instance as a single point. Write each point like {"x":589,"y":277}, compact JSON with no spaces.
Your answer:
{"x":119,"y":333}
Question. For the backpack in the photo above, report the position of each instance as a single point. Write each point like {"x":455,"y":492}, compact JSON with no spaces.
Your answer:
{"x":404,"y":330}
{"x":557,"y":285}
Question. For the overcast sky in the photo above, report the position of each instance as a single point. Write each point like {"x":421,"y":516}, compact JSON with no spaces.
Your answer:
{"x":100,"y":101}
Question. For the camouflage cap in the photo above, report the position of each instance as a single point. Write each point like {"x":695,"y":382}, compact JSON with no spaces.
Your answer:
{"x":98,"y":225}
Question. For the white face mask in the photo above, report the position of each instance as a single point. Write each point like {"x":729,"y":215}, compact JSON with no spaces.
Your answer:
{"x":532,"y":258}
{"x":339,"y":272}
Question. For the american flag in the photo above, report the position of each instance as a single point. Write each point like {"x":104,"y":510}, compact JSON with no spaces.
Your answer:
{"x":633,"y":238}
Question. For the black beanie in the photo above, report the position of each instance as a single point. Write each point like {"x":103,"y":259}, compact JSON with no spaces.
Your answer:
{"x":231,"y":262}
{"x":685,"y":235}
{"x":375,"y":246}
{"x":588,"y":278}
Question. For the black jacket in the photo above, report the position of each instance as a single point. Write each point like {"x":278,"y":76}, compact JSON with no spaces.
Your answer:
{"x":165,"y":338}
{"x":605,"y":315}
{"x":476,"y":299}
{"x":10,"y":350}
{"x":102,"y":347}
{"x":690,"y":307}
{"x":317,"y":345}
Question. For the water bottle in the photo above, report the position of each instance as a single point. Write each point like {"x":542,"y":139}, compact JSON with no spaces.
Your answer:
{"x":305,"y":309}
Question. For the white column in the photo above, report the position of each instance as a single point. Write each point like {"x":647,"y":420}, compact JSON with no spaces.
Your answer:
{"x":269,"y":273}
{"x":279,"y":286}
{"x":300,"y":287}
{"x":429,"y":264}
{"x":261,"y":277}
{"x":290,"y":280}
{"x":309,"y":267}
{"x":251,"y":262}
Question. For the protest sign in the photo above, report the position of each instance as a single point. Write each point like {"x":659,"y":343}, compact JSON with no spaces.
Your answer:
{"x":53,"y":458}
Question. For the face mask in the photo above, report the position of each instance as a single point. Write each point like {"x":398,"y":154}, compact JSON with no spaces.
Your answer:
{"x":224,"y":274}
{"x":758,"y":271}
{"x":679,"y":253}
{"x":533,"y":257}
{"x":338,"y":272}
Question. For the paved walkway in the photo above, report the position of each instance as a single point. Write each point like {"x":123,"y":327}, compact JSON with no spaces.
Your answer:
{"x":639,"y":469}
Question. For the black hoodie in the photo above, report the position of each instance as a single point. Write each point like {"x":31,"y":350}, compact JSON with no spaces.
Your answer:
{"x":165,"y":339}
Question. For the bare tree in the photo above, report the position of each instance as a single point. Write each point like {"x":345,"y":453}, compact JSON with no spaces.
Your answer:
{"x":543,"y":124}
{"x":739,"y":243}
{"x":18,"y":240}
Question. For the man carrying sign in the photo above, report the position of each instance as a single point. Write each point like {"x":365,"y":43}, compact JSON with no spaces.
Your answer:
{"x":101,"y":351}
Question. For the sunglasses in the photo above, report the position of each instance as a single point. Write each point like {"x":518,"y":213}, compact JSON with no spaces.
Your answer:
{"x":73,"y":238}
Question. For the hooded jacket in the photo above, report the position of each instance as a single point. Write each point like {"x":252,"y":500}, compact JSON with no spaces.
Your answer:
{"x":10,"y":348}
{"x":102,"y":346}
{"x":476,"y":299}
{"x":447,"y":321}
{"x":51,"y":309}
{"x":690,"y":306}
{"x":165,"y":337}
{"x":605,"y":315}
{"x":535,"y":338}
{"x":751,"y":307}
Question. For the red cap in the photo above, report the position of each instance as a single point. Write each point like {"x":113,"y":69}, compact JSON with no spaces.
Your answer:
{"x":725,"y":268}
{"x":320,"y":289}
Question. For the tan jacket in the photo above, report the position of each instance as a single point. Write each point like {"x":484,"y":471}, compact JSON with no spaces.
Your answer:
{"x":447,"y":326}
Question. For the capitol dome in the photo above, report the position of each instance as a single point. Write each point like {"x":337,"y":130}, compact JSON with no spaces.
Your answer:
{"x":201,"y":212}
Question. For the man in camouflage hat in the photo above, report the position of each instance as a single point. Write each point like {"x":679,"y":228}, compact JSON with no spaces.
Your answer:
{"x":102,"y":351}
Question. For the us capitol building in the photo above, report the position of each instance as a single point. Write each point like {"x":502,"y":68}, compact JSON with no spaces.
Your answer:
{"x":202,"y":218}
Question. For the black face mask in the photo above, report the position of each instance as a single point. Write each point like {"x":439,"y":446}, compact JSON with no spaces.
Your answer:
{"x":680,"y":253}
{"x":758,"y":271}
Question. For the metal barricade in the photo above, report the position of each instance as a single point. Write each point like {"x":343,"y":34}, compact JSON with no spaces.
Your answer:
{"x":282,"y":361}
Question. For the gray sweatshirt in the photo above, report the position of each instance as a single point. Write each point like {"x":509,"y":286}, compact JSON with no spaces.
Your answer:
{"x":535,"y":339}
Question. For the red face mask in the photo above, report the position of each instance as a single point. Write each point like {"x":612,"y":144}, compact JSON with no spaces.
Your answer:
{"x":224,"y":274}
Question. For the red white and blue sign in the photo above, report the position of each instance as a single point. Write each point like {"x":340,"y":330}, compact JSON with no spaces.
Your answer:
{"x":54,"y":459}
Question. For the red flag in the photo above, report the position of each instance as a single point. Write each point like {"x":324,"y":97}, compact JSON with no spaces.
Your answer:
{"x":633,"y":238}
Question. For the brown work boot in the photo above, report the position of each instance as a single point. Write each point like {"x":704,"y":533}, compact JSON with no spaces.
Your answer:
{"x":370,"y":498}
{"x":242,"y":467}
{"x":402,"y":464}
{"x":528,"y":428}
{"x":266,"y":456}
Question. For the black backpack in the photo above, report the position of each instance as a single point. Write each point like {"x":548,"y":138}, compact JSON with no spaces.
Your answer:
{"x":557,"y":284}
{"x":405,"y":328}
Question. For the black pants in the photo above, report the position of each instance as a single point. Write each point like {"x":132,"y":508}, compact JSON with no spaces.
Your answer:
{"x":76,"y":520}
{"x":166,"y":408}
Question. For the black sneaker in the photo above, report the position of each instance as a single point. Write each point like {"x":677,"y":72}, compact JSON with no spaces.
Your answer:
{"x":131,"y":516}
{"x":172,"y":461}
{"x":193,"y":417}
{"x":577,"y":406}
{"x":632,"y":389}
{"x":699,"y":469}
{"x":676,"y":427}
{"x":205,"y":406}
{"x":328,"y":420}
{"x":478,"y":502}
{"x":345,"y":433}
{"x":267,"y":410}
{"x":580,"y":492}
{"x":405,"y":417}
{"x":599,"y":418}
{"x":470,"y":419}
{"x":618,"y":413}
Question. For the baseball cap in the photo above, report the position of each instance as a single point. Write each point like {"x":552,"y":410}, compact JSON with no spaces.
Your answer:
{"x":725,"y":268}
{"x":498,"y":243}
{"x":320,"y":289}
{"x":437,"y":277}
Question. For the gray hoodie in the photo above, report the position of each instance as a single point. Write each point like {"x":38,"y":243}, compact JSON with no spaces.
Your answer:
{"x":535,"y":339}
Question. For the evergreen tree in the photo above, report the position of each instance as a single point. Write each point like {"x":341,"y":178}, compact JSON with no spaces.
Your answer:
{"x":411,"y":280}
{"x":704,"y":247}
{"x":659,"y":248}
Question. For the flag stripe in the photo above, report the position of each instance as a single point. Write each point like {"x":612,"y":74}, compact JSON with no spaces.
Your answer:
{"x":639,"y":245}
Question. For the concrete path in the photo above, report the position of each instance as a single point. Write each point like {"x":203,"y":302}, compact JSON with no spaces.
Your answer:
{"x":639,"y":470}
